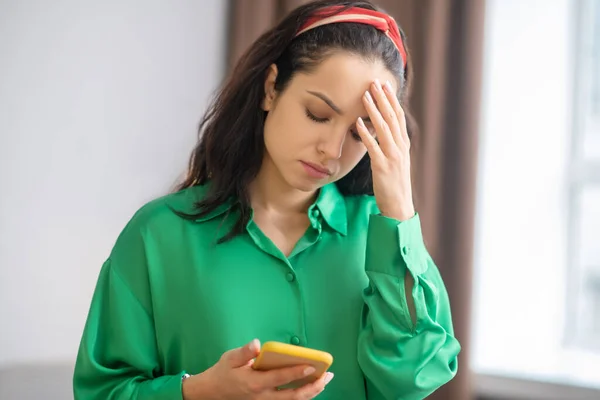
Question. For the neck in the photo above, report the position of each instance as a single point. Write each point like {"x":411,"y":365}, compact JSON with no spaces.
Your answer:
{"x":270,"y":192}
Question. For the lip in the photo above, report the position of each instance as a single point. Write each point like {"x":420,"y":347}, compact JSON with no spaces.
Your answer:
{"x":316,"y":170}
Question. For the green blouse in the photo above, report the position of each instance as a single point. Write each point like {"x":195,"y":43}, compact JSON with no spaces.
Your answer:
{"x":170,"y":300}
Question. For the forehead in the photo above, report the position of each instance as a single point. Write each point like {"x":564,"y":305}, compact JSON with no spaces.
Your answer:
{"x":344,"y":76}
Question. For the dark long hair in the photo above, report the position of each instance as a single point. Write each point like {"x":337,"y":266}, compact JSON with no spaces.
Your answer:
{"x":230,"y":149}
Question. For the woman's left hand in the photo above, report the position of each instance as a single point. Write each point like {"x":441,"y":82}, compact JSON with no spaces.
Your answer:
{"x":390,"y":158}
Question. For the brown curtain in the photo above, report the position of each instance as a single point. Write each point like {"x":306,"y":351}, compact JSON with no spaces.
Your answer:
{"x":445,"y":38}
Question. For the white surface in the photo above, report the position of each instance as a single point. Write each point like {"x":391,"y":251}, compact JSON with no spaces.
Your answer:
{"x":99,"y":106}
{"x":496,"y":387}
{"x":521,"y":253}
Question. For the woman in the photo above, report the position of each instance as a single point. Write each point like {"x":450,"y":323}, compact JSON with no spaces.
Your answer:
{"x":295,"y":224}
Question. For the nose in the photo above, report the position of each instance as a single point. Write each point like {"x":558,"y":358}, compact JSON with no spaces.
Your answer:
{"x":331,"y":143}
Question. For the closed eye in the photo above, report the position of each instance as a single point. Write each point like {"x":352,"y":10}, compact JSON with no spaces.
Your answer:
{"x":369,"y":126}
{"x":315,"y":118}
{"x":355,"y":135}
{"x":320,"y":120}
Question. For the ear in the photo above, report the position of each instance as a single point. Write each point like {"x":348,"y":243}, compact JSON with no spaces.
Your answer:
{"x":270,"y":94}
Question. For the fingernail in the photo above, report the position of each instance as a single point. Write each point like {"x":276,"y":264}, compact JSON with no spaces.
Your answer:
{"x":368,"y":97}
{"x":377,"y":84}
{"x":309,"y":371}
{"x":328,"y":377}
{"x":255,"y":345}
{"x":388,"y":86}
{"x":361,"y":122}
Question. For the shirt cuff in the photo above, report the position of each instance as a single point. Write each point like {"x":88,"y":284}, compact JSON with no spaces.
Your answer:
{"x":166,"y":387}
{"x":391,"y":244}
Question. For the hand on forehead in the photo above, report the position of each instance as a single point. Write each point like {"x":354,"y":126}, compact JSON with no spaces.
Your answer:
{"x":342,"y":80}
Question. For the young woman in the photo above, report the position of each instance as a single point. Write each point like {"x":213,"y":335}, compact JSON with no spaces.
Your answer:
{"x":295,"y":224}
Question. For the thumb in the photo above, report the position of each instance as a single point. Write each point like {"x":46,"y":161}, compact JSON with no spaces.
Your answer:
{"x":242,"y":355}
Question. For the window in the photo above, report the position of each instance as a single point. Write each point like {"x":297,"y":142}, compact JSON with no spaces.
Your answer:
{"x":537,"y":250}
{"x":584,"y":188}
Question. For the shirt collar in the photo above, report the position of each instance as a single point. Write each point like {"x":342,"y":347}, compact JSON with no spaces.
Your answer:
{"x":330,"y":204}
{"x":332,"y":207}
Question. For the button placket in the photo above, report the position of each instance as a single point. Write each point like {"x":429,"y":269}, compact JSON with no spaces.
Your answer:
{"x":315,"y":218}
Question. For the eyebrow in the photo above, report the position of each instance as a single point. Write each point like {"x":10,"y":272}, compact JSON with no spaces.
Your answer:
{"x":327,"y":100}
{"x":331,"y":104}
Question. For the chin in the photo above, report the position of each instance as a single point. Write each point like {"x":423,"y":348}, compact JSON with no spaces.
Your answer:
{"x":306,"y":184}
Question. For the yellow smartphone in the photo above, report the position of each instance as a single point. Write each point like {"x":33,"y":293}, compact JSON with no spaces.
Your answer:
{"x":275,"y":355}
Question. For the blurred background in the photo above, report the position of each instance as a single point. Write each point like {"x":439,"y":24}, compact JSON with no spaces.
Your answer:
{"x":99,"y":105}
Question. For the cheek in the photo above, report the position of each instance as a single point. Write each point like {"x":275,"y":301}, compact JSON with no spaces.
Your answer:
{"x":277,"y":138}
{"x":352,"y":153}
{"x":286,"y":130}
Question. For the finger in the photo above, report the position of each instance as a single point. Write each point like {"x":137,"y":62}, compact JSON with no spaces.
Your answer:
{"x":308,"y":391}
{"x":386,"y":141}
{"x":399,"y":111}
{"x":242,"y":356}
{"x":368,"y":140}
{"x":283,"y":376}
{"x":311,"y":390}
{"x":387,"y":111}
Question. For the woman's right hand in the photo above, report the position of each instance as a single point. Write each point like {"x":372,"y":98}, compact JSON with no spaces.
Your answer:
{"x":232,"y":378}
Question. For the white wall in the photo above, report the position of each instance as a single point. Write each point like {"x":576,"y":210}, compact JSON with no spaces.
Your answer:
{"x":99,"y":104}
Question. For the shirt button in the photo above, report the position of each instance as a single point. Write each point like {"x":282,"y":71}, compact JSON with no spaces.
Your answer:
{"x":406,"y":250}
{"x":316,"y":213}
{"x":290,"y":277}
{"x":295,"y":340}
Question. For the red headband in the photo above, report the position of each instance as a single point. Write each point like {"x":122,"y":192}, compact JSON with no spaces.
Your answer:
{"x":379,"y":20}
